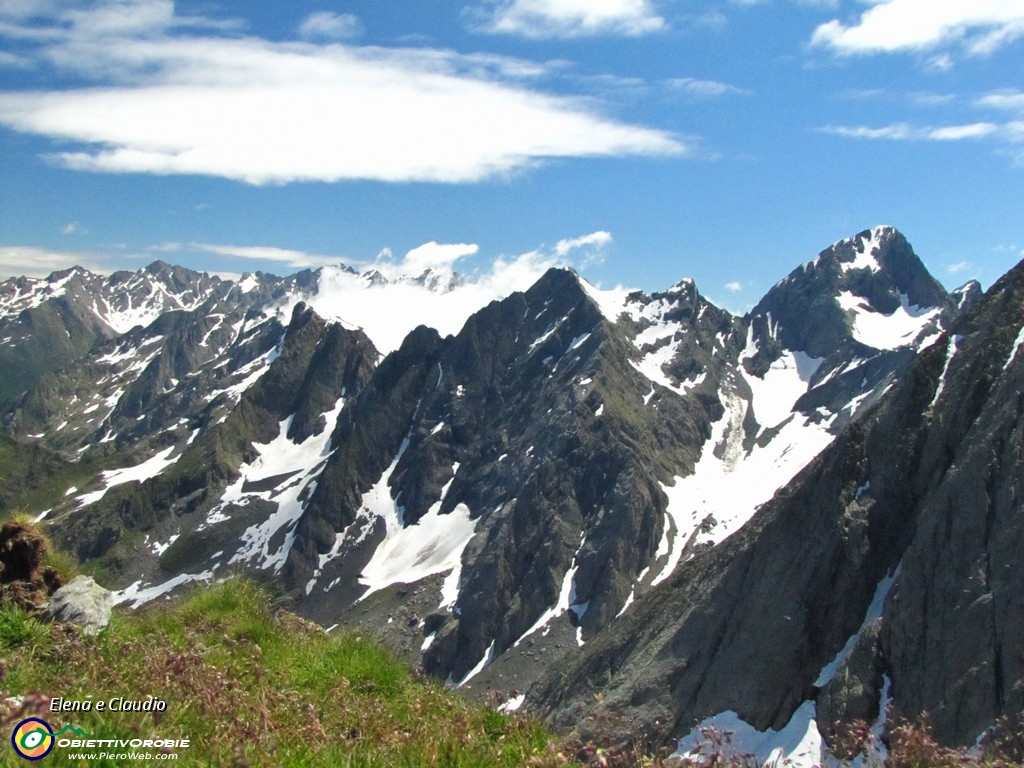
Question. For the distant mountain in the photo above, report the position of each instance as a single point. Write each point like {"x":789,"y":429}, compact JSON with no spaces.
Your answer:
{"x":560,"y":487}
{"x":887,"y":573}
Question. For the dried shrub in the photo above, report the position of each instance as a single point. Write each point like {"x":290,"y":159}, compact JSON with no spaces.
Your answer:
{"x":1004,"y":743}
{"x":847,"y":740}
{"x":912,"y":745}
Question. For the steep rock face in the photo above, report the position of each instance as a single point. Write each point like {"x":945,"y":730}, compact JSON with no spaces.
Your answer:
{"x":954,"y":620}
{"x":532,"y":421}
{"x":923,"y":493}
{"x":145,"y":382}
{"x":27,"y":471}
{"x":830,"y":301}
{"x":188,"y":496}
{"x":566,"y":425}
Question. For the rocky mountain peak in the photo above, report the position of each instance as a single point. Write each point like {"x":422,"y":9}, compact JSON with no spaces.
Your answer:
{"x":861,"y":295}
{"x":967,"y":295}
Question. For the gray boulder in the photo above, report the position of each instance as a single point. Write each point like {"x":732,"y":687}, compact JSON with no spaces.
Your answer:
{"x":83,"y":602}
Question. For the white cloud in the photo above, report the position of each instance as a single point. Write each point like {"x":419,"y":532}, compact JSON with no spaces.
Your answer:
{"x":907,"y":132}
{"x":168,"y":247}
{"x":697,"y":87}
{"x":804,"y":3}
{"x":283,"y":256}
{"x":958,"y":267}
{"x":277,"y":112}
{"x":734,"y":287}
{"x":16,"y":260}
{"x":72,"y":228}
{"x":932,"y":99}
{"x":941,"y":63}
{"x":1007,"y":99}
{"x":980,"y":26}
{"x":958,"y":132}
{"x":330,"y":26}
{"x":13,"y":61}
{"x":575,"y":18}
{"x":896,"y":132}
{"x":596,"y":241}
{"x":436,"y":256}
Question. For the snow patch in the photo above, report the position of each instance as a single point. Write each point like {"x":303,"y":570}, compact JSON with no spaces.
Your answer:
{"x":578,"y":342}
{"x":728,"y":485}
{"x":566,"y":598}
{"x":138,"y":473}
{"x":138,"y":595}
{"x":297,"y":465}
{"x":881,"y":331}
{"x":611,"y":303}
{"x":513,"y":704}
{"x":158,"y":549}
{"x":797,"y":745}
{"x":864,"y":257}
{"x":783,"y":383}
{"x":487,"y":659}
{"x":434,"y":544}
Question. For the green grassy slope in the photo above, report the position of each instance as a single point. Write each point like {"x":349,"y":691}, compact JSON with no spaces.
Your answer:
{"x":249,"y":686}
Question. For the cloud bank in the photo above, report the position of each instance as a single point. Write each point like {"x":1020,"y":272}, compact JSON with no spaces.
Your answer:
{"x":574,"y":18}
{"x":979,"y":26}
{"x":172,"y":97}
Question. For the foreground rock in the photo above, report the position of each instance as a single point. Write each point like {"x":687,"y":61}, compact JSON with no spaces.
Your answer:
{"x":83,"y":602}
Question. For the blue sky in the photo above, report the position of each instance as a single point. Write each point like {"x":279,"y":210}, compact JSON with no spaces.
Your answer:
{"x":639,"y":140}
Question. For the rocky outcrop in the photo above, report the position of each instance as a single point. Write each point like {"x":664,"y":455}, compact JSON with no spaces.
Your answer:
{"x":82,"y":602}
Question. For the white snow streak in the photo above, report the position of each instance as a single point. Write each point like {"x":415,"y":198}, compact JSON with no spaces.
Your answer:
{"x":874,"y":612}
{"x":950,"y":354}
{"x":295,"y":466}
{"x":140,"y":595}
{"x":1017,"y":345}
{"x":566,"y":599}
{"x":487,"y":659}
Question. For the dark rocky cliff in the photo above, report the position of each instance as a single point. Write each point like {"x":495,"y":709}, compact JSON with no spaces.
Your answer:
{"x":927,"y":487}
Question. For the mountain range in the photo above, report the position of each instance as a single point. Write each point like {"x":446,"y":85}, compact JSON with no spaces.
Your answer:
{"x":629,"y":513}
